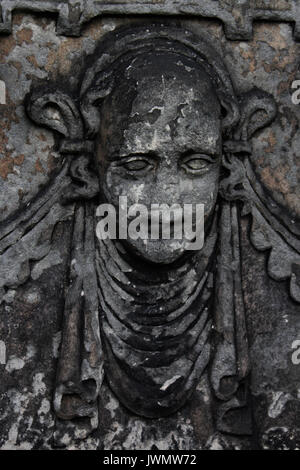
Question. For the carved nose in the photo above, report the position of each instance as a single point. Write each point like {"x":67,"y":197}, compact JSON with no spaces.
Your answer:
{"x":167,"y":190}
{"x":168,"y":177}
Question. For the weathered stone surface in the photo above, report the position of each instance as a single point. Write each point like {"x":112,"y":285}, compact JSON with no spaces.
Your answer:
{"x":34,"y":288}
{"x":236,"y":17}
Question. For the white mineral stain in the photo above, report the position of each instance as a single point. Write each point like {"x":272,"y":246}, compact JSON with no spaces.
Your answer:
{"x":12,"y":437}
{"x":31,"y":351}
{"x":20,"y":433}
{"x":109,"y":26}
{"x":66,"y":439}
{"x":9,"y":296}
{"x":138,"y":143}
{"x":215,"y":445}
{"x":217,"y":442}
{"x":32,"y":298}
{"x":45,"y":407}
{"x":160,"y":108}
{"x":279,"y":400}
{"x":19,"y":403}
{"x":14,"y":363}
{"x":112,"y":405}
{"x":169,"y":382}
{"x":155,"y":141}
{"x":163,"y":441}
{"x":138,"y":191}
{"x":2,"y":353}
{"x":56,"y":340}
{"x":38,"y":385}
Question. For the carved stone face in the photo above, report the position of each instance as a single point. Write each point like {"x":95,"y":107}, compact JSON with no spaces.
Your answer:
{"x":160,"y":142}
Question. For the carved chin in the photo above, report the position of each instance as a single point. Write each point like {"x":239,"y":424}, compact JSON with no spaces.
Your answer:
{"x":159,"y":251}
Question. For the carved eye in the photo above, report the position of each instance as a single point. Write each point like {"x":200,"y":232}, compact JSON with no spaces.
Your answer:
{"x":136,"y":165}
{"x":197,"y":163}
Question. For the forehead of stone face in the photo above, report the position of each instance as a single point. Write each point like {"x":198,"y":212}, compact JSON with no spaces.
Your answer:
{"x":161,"y":100}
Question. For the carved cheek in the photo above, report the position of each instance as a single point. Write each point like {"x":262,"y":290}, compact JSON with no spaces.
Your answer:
{"x":138,"y":192}
{"x":116,"y":185}
{"x":202,"y":190}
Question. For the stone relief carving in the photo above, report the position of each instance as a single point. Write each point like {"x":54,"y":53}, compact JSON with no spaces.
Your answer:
{"x":153,"y":94}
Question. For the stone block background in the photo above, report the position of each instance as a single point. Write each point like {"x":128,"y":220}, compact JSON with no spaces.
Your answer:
{"x":30,"y":317}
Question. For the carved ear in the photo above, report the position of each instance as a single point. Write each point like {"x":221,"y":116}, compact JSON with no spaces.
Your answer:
{"x":271,"y":229}
{"x":90,"y":100}
{"x":57,"y":111}
{"x":257,"y":110}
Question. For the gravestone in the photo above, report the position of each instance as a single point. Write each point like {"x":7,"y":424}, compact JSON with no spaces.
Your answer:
{"x":140,"y":342}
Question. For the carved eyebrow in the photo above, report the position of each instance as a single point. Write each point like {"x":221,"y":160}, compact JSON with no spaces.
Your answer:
{"x":118,"y":157}
{"x":207,"y":152}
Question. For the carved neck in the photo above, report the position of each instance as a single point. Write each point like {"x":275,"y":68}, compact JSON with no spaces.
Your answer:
{"x":155,"y":326}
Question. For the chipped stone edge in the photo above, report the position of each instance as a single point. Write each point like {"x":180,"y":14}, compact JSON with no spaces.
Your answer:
{"x":72,"y":15}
